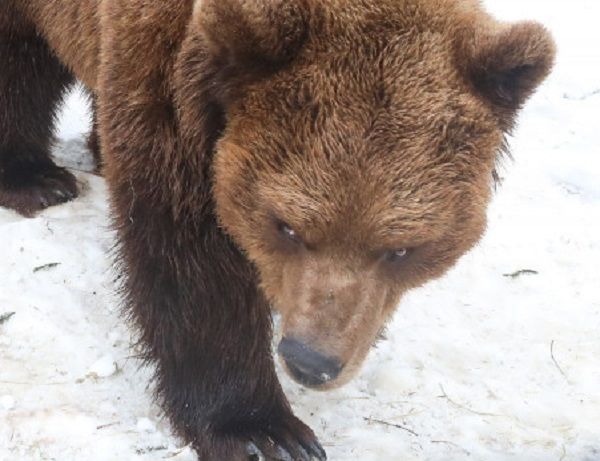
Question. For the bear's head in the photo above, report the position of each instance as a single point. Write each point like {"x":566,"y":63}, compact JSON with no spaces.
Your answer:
{"x":358,"y":151}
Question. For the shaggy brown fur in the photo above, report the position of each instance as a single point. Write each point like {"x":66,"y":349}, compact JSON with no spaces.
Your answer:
{"x":381,"y":134}
{"x":346,"y":147}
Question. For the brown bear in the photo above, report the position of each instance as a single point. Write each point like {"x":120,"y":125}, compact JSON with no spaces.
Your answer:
{"x":322,"y":157}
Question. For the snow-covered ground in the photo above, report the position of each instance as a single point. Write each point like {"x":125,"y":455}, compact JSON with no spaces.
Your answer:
{"x":478,"y":365}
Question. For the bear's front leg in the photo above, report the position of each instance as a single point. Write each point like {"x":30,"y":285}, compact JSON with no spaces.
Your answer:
{"x":194,"y":296}
{"x":207,"y":328}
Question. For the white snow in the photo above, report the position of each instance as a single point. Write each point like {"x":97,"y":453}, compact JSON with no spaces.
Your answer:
{"x":145,"y":425}
{"x":104,"y":367}
{"x":476,"y":366}
{"x":7,"y":402}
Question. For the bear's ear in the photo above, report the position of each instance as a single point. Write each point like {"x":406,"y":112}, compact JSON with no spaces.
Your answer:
{"x":253,"y":33}
{"x":507,"y":66}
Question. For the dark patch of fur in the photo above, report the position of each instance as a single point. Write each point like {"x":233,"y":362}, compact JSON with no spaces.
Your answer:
{"x":510,"y":65}
{"x":32,"y":84}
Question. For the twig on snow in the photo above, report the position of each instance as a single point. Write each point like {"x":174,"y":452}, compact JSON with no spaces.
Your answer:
{"x":105,"y":426}
{"x":6,"y":317}
{"x":463,"y":407}
{"x":558,"y":367}
{"x":446,"y":442}
{"x":582,"y":97}
{"x":385,"y":423}
{"x":519,"y":273}
{"x":175,"y":453}
{"x":45,"y":267}
{"x":143,"y":451}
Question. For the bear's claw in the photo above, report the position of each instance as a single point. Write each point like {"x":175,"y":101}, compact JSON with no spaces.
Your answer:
{"x":288,"y":440}
{"x":288,"y":447}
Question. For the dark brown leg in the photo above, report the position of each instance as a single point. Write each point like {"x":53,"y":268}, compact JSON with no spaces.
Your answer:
{"x":207,"y":328}
{"x":203,"y":320}
{"x":32,"y":84}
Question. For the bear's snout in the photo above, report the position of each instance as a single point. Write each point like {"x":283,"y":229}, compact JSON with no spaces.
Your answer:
{"x":307,"y":366}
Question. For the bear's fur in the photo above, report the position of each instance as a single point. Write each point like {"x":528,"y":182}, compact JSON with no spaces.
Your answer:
{"x":321,"y":156}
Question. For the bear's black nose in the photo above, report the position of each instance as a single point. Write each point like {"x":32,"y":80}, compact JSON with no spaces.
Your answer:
{"x":307,"y":366}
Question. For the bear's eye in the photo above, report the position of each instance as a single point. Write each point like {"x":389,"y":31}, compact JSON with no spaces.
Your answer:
{"x":396,"y":256}
{"x":286,"y":231}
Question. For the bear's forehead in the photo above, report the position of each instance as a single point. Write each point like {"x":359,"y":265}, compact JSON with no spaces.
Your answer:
{"x":373,"y":89}
{"x":386,"y":107}
{"x":340,"y":20}
{"x":352,"y":137}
